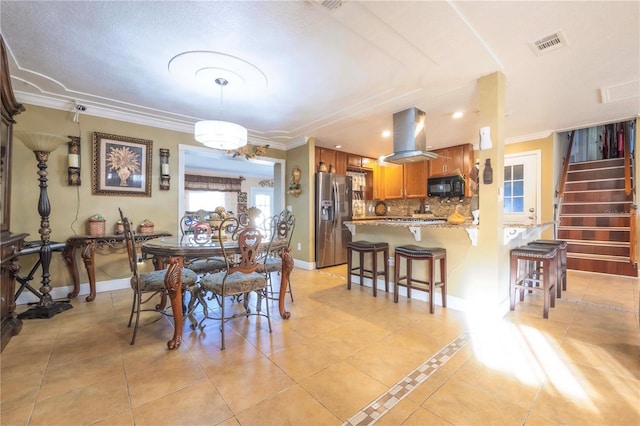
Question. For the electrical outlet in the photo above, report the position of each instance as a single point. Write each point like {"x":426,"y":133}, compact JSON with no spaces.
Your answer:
{"x":390,"y":261}
{"x":299,"y":246}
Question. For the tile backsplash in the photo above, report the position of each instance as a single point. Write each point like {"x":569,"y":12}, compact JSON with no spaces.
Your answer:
{"x":440,"y":207}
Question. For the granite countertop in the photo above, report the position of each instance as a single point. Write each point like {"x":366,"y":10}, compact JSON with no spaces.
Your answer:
{"x":404,"y":222}
{"x":435,"y":222}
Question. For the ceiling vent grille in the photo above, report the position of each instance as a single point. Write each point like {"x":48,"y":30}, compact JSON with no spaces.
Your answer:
{"x":330,"y":4}
{"x":549,"y":43}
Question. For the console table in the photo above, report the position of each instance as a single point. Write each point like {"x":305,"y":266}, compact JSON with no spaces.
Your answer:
{"x":88,"y":244}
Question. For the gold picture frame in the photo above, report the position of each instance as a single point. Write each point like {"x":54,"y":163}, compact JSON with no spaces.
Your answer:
{"x":121,"y":165}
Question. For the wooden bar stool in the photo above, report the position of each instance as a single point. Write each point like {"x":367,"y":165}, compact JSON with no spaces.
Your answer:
{"x":430,"y":254}
{"x":525,"y":278}
{"x":562,"y":251}
{"x":363,"y":247}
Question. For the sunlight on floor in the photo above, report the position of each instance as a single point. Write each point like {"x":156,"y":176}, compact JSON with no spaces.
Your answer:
{"x":526,"y":354}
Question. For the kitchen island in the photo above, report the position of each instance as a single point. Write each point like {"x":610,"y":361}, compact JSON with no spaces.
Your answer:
{"x":465,"y":257}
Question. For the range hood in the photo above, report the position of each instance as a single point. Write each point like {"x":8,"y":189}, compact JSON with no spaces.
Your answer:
{"x":409,"y":139}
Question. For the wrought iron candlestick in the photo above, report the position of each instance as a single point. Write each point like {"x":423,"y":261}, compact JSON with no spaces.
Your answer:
{"x":42,"y":145}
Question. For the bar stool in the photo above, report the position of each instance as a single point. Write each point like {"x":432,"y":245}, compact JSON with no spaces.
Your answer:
{"x":523,"y":279}
{"x":561,"y":245}
{"x":363,"y":247}
{"x":430,"y":254}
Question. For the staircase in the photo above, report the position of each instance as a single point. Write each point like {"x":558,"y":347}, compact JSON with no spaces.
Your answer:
{"x":595,"y":219}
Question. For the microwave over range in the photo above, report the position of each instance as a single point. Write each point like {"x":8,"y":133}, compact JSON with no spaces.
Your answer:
{"x":445,"y":186}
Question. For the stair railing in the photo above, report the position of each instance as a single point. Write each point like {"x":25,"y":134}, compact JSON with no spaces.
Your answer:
{"x":565,"y":167}
{"x":632,"y":233}
{"x":557,"y":206}
{"x":627,"y":163}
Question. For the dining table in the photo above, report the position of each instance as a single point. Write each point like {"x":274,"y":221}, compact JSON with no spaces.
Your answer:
{"x":171,"y":252}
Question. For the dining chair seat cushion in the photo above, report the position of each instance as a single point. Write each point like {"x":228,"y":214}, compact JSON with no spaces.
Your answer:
{"x":236,"y":283}
{"x":154,"y":281}
{"x":272,"y":264}
{"x":209,"y":265}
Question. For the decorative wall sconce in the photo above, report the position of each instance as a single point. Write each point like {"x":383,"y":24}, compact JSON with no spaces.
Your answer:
{"x":164,"y":169}
{"x":73,"y":158}
{"x":294,"y":186}
{"x":485,"y":138}
{"x":487,"y":174}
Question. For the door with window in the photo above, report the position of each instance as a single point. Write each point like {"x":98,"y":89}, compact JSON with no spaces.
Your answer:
{"x":262,"y":198}
{"x":521,"y":183}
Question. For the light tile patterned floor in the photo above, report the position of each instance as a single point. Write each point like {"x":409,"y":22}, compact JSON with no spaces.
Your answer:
{"x":343,"y":358}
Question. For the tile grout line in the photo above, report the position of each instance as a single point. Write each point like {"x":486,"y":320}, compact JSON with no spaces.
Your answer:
{"x":374,"y":411}
{"x":597,"y":305}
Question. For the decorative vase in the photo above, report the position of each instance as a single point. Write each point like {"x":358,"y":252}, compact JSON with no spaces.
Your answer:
{"x":322,"y":167}
{"x":124,"y":174}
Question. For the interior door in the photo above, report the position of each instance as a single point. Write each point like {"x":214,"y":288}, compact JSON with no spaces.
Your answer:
{"x":521,"y":183}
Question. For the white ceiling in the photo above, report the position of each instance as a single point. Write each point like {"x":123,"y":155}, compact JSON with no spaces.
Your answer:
{"x":336,"y":75}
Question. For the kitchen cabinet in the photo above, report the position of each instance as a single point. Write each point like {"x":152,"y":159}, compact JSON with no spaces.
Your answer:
{"x":452,"y":160}
{"x":360,"y":162}
{"x":341,"y":163}
{"x":378,"y":181}
{"x":327,"y":156}
{"x":405,"y":181}
{"x":344,"y":161}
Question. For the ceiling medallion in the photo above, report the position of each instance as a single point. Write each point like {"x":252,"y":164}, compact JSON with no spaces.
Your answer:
{"x":198,"y":68}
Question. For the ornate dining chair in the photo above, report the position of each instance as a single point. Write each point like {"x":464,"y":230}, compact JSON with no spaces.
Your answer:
{"x":196,"y":224}
{"x":280,"y":231}
{"x":241,"y":276}
{"x":146,"y":285}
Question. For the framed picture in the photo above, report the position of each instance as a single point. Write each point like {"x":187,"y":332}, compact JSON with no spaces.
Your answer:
{"x":121,"y":165}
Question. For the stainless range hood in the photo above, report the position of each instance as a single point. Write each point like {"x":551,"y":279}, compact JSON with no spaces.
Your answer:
{"x":409,"y":139}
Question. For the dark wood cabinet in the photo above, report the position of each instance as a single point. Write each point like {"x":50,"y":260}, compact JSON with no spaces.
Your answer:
{"x":354,"y":160}
{"x":341,"y":163}
{"x":405,"y":181}
{"x":10,"y":244}
{"x":344,"y":162}
{"x":452,"y":160}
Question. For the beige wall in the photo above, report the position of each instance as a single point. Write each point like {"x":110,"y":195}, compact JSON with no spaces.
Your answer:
{"x":302,"y":156}
{"x":72,"y":205}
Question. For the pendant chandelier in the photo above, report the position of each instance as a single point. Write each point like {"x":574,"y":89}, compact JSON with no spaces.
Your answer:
{"x":222,"y":135}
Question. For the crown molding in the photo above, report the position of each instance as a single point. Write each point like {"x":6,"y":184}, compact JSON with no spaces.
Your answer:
{"x":129,"y":116}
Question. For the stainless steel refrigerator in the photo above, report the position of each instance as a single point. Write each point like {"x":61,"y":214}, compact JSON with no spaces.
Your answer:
{"x":333,"y":208}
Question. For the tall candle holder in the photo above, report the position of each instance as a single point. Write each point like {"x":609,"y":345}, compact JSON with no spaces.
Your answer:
{"x":42,"y":144}
{"x":164,"y":169}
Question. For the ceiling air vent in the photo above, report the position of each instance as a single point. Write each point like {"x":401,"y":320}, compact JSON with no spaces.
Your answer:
{"x":330,"y":4}
{"x":549,"y":43}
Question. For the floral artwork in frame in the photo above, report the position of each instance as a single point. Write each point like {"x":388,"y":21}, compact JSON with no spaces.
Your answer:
{"x":121,"y":165}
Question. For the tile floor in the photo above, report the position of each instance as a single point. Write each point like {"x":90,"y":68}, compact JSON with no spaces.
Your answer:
{"x":343,"y":358}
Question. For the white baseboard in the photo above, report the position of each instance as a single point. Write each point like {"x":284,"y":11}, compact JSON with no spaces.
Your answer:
{"x":58,"y":293}
{"x":307,"y":266}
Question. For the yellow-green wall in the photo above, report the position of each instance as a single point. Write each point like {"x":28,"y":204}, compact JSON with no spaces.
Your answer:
{"x":72,"y":205}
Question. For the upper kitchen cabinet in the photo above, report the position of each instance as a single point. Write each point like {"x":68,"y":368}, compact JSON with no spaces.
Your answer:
{"x":332,"y":157}
{"x":452,"y":160}
{"x":359,"y":162}
{"x":405,"y":181}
